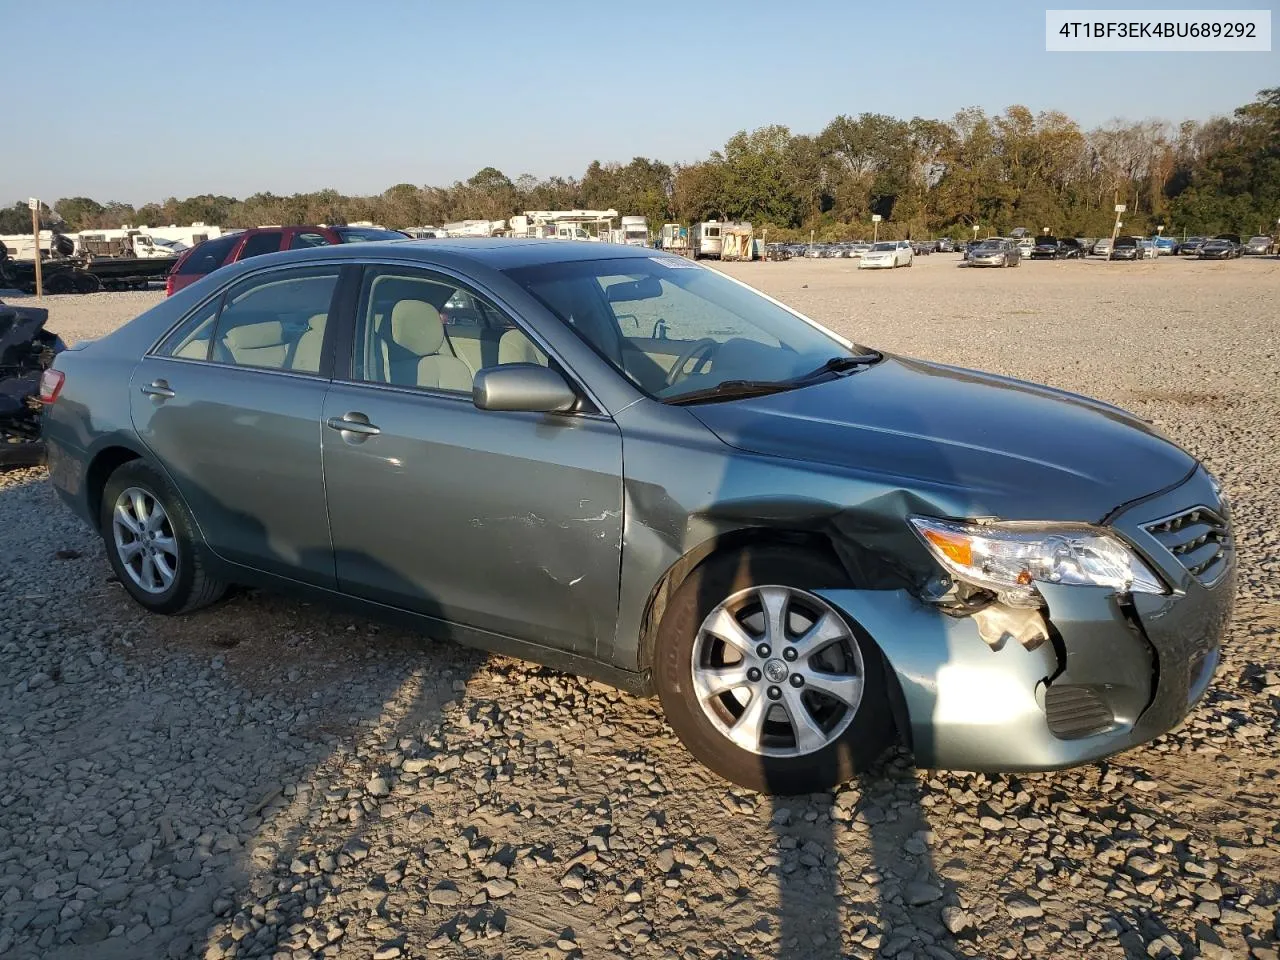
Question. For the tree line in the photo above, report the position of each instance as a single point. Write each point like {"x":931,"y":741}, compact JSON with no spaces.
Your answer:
{"x":923,"y":177}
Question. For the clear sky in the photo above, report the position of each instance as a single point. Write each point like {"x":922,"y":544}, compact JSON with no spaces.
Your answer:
{"x":138,"y":101}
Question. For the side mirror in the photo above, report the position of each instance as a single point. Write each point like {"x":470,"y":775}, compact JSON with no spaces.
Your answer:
{"x":522,"y":386}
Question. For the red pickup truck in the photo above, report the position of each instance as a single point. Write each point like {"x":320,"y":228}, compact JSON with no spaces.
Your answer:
{"x":206,"y":257}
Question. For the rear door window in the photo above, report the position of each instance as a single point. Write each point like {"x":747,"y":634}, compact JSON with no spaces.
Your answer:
{"x":209,"y":256}
{"x":275,"y":321}
{"x":261,"y":243}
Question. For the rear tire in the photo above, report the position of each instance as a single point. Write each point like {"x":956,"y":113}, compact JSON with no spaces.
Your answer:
{"x":842,"y":664}
{"x":59,"y":283}
{"x":151,"y":542}
{"x":87,"y":283}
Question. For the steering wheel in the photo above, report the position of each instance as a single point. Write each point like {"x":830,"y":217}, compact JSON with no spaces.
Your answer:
{"x":702,"y":347}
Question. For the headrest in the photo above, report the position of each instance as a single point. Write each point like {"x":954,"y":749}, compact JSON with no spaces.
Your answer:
{"x":249,"y":336}
{"x":416,"y":326}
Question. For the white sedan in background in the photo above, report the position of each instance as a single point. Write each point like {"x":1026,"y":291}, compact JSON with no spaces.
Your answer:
{"x":887,"y":253}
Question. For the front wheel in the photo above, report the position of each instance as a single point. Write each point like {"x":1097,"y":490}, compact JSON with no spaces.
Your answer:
{"x":151,"y":542}
{"x":764,"y":681}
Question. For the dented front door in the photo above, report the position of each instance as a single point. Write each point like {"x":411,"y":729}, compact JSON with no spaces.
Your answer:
{"x":507,"y":522}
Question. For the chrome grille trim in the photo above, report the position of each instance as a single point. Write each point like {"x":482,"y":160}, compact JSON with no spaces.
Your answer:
{"x":1200,"y":540}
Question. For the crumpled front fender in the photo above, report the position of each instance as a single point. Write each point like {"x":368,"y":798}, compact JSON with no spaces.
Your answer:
{"x":972,"y":706}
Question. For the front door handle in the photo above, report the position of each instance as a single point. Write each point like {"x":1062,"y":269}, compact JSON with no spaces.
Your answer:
{"x":159,"y":389}
{"x":353,"y":423}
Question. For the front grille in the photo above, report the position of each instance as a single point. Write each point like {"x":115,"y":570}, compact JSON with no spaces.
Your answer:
{"x":1073,"y":712}
{"x":1199,"y":538}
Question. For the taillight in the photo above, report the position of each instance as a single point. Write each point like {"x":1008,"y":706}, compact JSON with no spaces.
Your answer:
{"x":168,"y":285}
{"x":51,"y":382}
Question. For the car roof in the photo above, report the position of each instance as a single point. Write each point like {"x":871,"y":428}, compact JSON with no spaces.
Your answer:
{"x":497,"y":253}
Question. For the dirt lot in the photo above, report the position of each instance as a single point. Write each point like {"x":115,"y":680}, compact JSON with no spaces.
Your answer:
{"x":270,"y":778}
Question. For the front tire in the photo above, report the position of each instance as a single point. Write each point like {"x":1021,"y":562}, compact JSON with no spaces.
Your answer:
{"x":151,"y":543}
{"x":766,"y":683}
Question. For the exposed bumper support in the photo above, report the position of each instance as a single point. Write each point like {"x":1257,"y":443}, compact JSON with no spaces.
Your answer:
{"x":972,"y":707}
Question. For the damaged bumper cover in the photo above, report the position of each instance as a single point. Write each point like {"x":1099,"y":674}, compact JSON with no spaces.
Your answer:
{"x":1115,"y":672}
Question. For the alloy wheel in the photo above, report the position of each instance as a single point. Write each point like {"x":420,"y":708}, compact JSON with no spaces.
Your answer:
{"x":144,"y":540}
{"x":777,"y":671}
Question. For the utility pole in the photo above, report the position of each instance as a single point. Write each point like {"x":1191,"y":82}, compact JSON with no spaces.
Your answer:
{"x":1115,"y":230}
{"x":34,"y":204}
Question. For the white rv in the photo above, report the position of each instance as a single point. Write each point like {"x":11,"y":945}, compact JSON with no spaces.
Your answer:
{"x":708,"y":240}
{"x":635,"y":231}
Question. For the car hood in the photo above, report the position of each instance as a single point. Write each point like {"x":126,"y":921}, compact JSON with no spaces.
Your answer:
{"x":981,"y":444}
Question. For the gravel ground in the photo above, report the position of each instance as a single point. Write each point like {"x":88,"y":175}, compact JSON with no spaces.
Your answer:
{"x":271,"y":778}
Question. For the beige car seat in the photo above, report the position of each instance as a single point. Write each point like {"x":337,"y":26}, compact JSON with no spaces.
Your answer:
{"x":416,"y":327}
{"x":257,"y":344}
{"x":306,"y":355}
{"x":515,"y":347}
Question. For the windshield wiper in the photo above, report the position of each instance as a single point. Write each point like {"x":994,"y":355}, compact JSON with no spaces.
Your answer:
{"x":838,"y":364}
{"x":732,"y":390}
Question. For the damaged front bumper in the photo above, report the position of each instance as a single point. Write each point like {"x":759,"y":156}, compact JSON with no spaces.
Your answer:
{"x":1115,"y":673}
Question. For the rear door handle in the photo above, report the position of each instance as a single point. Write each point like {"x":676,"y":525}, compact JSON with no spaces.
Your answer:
{"x":158,"y":388}
{"x":353,"y":423}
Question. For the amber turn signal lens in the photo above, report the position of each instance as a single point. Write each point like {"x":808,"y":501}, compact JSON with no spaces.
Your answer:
{"x":955,"y":548}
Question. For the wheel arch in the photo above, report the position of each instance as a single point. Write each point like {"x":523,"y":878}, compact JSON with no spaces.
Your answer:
{"x":104,"y":463}
{"x":851,"y":558}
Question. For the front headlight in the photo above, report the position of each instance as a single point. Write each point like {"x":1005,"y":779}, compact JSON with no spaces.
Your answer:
{"x":1010,"y":558}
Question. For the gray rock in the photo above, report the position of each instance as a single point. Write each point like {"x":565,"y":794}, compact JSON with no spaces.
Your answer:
{"x":956,"y":920}
{"x":445,"y":894}
{"x":919,"y":894}
{"x":1022,"y":906}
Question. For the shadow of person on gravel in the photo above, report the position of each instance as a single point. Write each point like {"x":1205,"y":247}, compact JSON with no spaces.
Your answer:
{"x":829,"y":907}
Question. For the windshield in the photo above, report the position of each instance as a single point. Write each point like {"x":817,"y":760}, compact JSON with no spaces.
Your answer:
{"x":885,"y":246}
{"x":673,"y":328}
{"x":989,"y":245}
{"x":357,"y":235}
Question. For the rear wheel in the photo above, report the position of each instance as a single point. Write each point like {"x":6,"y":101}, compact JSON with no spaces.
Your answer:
{"x":60,"y":283}
{"x":764,"y":681}
{"x":87,"y":283}
{"x":151,"y":542}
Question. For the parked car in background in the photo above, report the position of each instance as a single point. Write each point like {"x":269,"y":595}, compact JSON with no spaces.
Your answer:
{"x":1057,"y":248}
{"x":1147,"y":248}
{"x":1126,"y":248}
{"x":993,"y":252}
{"x":946,"y":245}
{"x":1164,"y":245}
{"x":208,"y":256}
{"x":1219,"y":248}
{"x":811,"y":549}
{"x":1234,"y":240}
{"x":1025,"y":246}
{"x":1101,"y":247}
{"x":1189,"y":246}
{"x":1259,"y":246}
{"x":887,"y":253}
